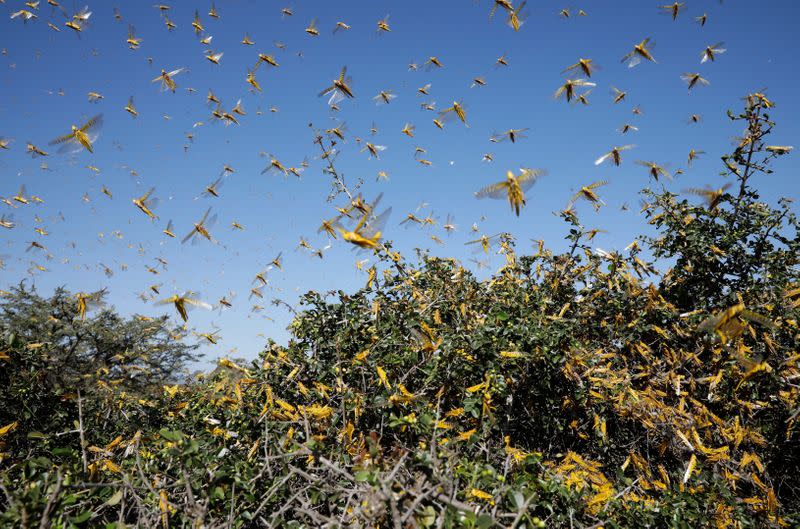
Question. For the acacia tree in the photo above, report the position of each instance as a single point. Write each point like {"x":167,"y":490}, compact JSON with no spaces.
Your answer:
{"x":734,"y":243}
{"x":53,"y":352}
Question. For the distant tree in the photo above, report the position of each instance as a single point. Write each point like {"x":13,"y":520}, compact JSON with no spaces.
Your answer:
{"x":53,"y":349}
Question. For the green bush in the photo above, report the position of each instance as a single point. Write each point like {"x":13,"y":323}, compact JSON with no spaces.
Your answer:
{"x":583,"y":389}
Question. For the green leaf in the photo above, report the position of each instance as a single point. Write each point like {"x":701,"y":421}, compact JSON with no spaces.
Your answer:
{"x":82,"y":517}
{"x":517,"y":499}
{"x":193,"y":447}
{"x":41,"y":462}
{"x":115,"y":499}
{"x":427,"y":518}
{"x":426,"y":419}
{"x":484,"y":521}
{"x":171,"y":435}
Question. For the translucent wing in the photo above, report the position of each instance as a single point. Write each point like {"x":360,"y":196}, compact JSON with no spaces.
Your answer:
{"x":383,"y":98}
{"x":602,"y":159}
{"x":482,"y":240}
{"x":93,"y":123}
{"x":519,"y":133}
{"x":190,"y":303}
{"x":447,"y":115}
{"x":520,"y":15}
{"x":74,"y":146}
{"x":166,"y":301}
{"x":95,"y":300}
{"x":376,"y":224}
{"x":326,"y":91}
{"x":597,"y":184}
{"x":375,"y":203}
{"x":498,"y":190}
{"x":84,"y":13}
{"x":570,"y":68}
{"x":214,"y":187}
{"x":205,"y":216}
{"x":336,"y":96}
{"x":189,"y":235}
{"x":62,"y":139}
{"x":583,"y":96}
{"x":497,"y":137}
{"x":529,"y":177}
{"x":210,"y":223}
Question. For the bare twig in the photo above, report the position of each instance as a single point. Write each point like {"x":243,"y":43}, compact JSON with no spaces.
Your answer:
{"x":271,"y":491}
{"x":452,"y":502}
{"x":44,"y":523}
{"x":327,"y":155}
{"x":82,"y":437}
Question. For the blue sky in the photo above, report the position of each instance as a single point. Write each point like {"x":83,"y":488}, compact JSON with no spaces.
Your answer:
{"x":38,"y":62}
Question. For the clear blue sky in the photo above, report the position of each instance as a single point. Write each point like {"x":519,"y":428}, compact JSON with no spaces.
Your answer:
{"x":565,"y":139}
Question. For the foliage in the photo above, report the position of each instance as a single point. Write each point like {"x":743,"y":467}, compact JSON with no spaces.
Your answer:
{"x":582,"y":389}
{"x":51,"y":354}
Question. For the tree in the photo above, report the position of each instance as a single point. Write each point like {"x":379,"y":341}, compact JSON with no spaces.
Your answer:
{"x":53,"y":352}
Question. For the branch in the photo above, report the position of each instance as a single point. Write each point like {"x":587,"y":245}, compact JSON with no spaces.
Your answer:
{"x":748,"y":169}
{"x":326,"y":155}
{"x":44,"y":523}
{"x":82,"y":438}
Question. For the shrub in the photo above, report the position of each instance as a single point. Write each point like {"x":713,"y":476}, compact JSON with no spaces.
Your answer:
{"x":582,"y":389}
